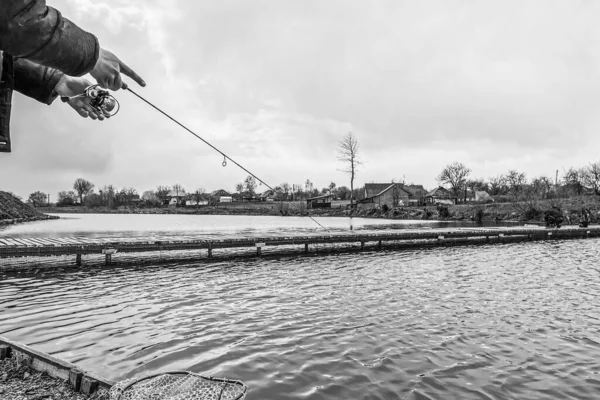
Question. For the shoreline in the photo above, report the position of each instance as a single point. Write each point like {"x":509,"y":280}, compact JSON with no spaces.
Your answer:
{"x":29,"y":373}
{"x":489,"y":212}
{"x":14,"y":221}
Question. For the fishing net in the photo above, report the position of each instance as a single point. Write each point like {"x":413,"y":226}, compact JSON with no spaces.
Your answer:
{"x":178,"y":386}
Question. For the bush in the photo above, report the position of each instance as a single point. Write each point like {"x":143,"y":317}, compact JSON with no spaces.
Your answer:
{"x":531,"y":213}
{"x":66,"y":202}
{"x":385,"y":208}
{"x":443,"y":211}
{"x":93,"y":200}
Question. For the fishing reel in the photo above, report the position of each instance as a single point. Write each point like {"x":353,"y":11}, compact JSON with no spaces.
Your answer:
{"x":101,"y":100}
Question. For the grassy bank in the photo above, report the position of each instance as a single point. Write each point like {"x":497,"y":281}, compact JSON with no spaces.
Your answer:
{"x":13,"y":210}
{"x":532,"y":211}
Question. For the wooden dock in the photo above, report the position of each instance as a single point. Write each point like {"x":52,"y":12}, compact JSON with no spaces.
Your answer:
{"x":18,"y":247}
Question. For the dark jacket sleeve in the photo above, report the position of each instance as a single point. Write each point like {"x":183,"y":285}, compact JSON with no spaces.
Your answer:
{"x":36,"y":81}
{"x":30,"y":29}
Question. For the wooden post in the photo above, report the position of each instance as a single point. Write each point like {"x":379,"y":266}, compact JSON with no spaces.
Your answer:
{"x":108,"y":259}
{"x":210,"y":250}
{"x":75,"y":377}
{"x":259,"y":247}
{"x":88,"y":385}
{"x":362,"y":245}
{"x":4,"y":352}
{"x":78,"y":260}
{"x":306,"y":247}
{"x":379,"y":245}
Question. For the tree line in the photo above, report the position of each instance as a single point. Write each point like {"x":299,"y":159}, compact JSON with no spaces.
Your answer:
{"x":456,"y":177}
{"x":86,"y":193}
{"x":515,"y":185}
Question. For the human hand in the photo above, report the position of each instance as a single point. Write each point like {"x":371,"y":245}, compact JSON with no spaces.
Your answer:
{"x":69,"y":86}
{"x":108,"y":69}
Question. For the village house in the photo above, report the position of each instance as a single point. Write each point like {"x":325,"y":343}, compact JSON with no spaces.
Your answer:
{"x":323,"y":201}
{"x":479,"y":196}
{"x":390,"y":194}
{"x":175,"y":198}
{"x":267,"y":196}
{"x":221,"y":196}
{"x":440,"y":195}
{"x":419,"y":193}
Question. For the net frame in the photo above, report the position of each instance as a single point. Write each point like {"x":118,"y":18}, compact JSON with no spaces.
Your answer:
{"x":117,"y":392}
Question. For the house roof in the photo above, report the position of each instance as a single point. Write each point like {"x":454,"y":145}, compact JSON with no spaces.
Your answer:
{"x":417,"y":190}
{"x":438,"y":191}
{"x":174,"y":193}
{"x":267,"y":193}
{"x":385,"y":189}
{"x":320,"y":197}
{"x":220,"y":192}
{"x":373,"y":189}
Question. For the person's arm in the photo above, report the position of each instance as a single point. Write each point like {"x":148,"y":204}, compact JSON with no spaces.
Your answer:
{"x":36,"y":81}
{"x":45,"y":84}
{"x":30,"y":29}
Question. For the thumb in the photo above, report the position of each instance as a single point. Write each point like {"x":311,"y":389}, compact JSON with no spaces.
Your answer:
{"x":125,"y":70}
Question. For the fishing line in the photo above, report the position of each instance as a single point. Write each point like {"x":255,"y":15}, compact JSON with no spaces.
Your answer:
{"x":225,"y":156}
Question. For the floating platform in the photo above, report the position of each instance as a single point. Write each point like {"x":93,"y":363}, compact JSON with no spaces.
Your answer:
{"x":111,"y":248}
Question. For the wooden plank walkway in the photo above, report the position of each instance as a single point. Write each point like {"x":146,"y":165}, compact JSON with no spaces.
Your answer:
{"x":61,"y":246}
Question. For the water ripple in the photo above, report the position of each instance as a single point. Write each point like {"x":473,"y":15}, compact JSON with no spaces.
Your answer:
{"x":516,"y":321}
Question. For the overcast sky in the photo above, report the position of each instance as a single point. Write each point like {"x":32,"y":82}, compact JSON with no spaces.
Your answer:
{"x":276,"y":84}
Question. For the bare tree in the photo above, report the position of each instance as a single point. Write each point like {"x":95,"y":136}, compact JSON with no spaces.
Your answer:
{"x":83,"y":188}
{"x":574,"y":179}
{"x":286,"y":188}
{"x":162,"y":192}
{"x":64,"y":195}
{"x":198,"y":195}
{"x":515,"y":181}
{"x":455,"y":175}
{"x":308,"y":187}
{"x":541,"y":186}
{"x":497,"y":185}
{"x":178,"y":189}
{"x":250,"y":185}
{"x":332,"y":188}
{"x":108,"y":195}
{"x":592,"y":178}
{"x":348,"y":154}
{"x":239,"y":188}
{"x":128,"y":194}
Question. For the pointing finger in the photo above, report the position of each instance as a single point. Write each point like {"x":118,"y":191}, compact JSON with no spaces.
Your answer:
{"x":131,"y":73}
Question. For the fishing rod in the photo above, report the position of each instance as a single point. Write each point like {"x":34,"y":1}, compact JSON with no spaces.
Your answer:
{"x":104,"y":102}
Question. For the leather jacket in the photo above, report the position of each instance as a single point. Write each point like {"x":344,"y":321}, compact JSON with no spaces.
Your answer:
{"x":38,"y":45}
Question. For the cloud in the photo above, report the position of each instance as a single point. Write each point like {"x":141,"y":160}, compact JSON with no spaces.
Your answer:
{"x":276,"y":84}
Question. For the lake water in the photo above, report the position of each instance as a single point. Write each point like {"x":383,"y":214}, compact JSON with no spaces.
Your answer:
{"x":132,"y":225}
{"x":515,"y":321}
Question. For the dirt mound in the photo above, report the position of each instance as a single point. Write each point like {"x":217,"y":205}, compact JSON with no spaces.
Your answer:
{"x":14,"y":210}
